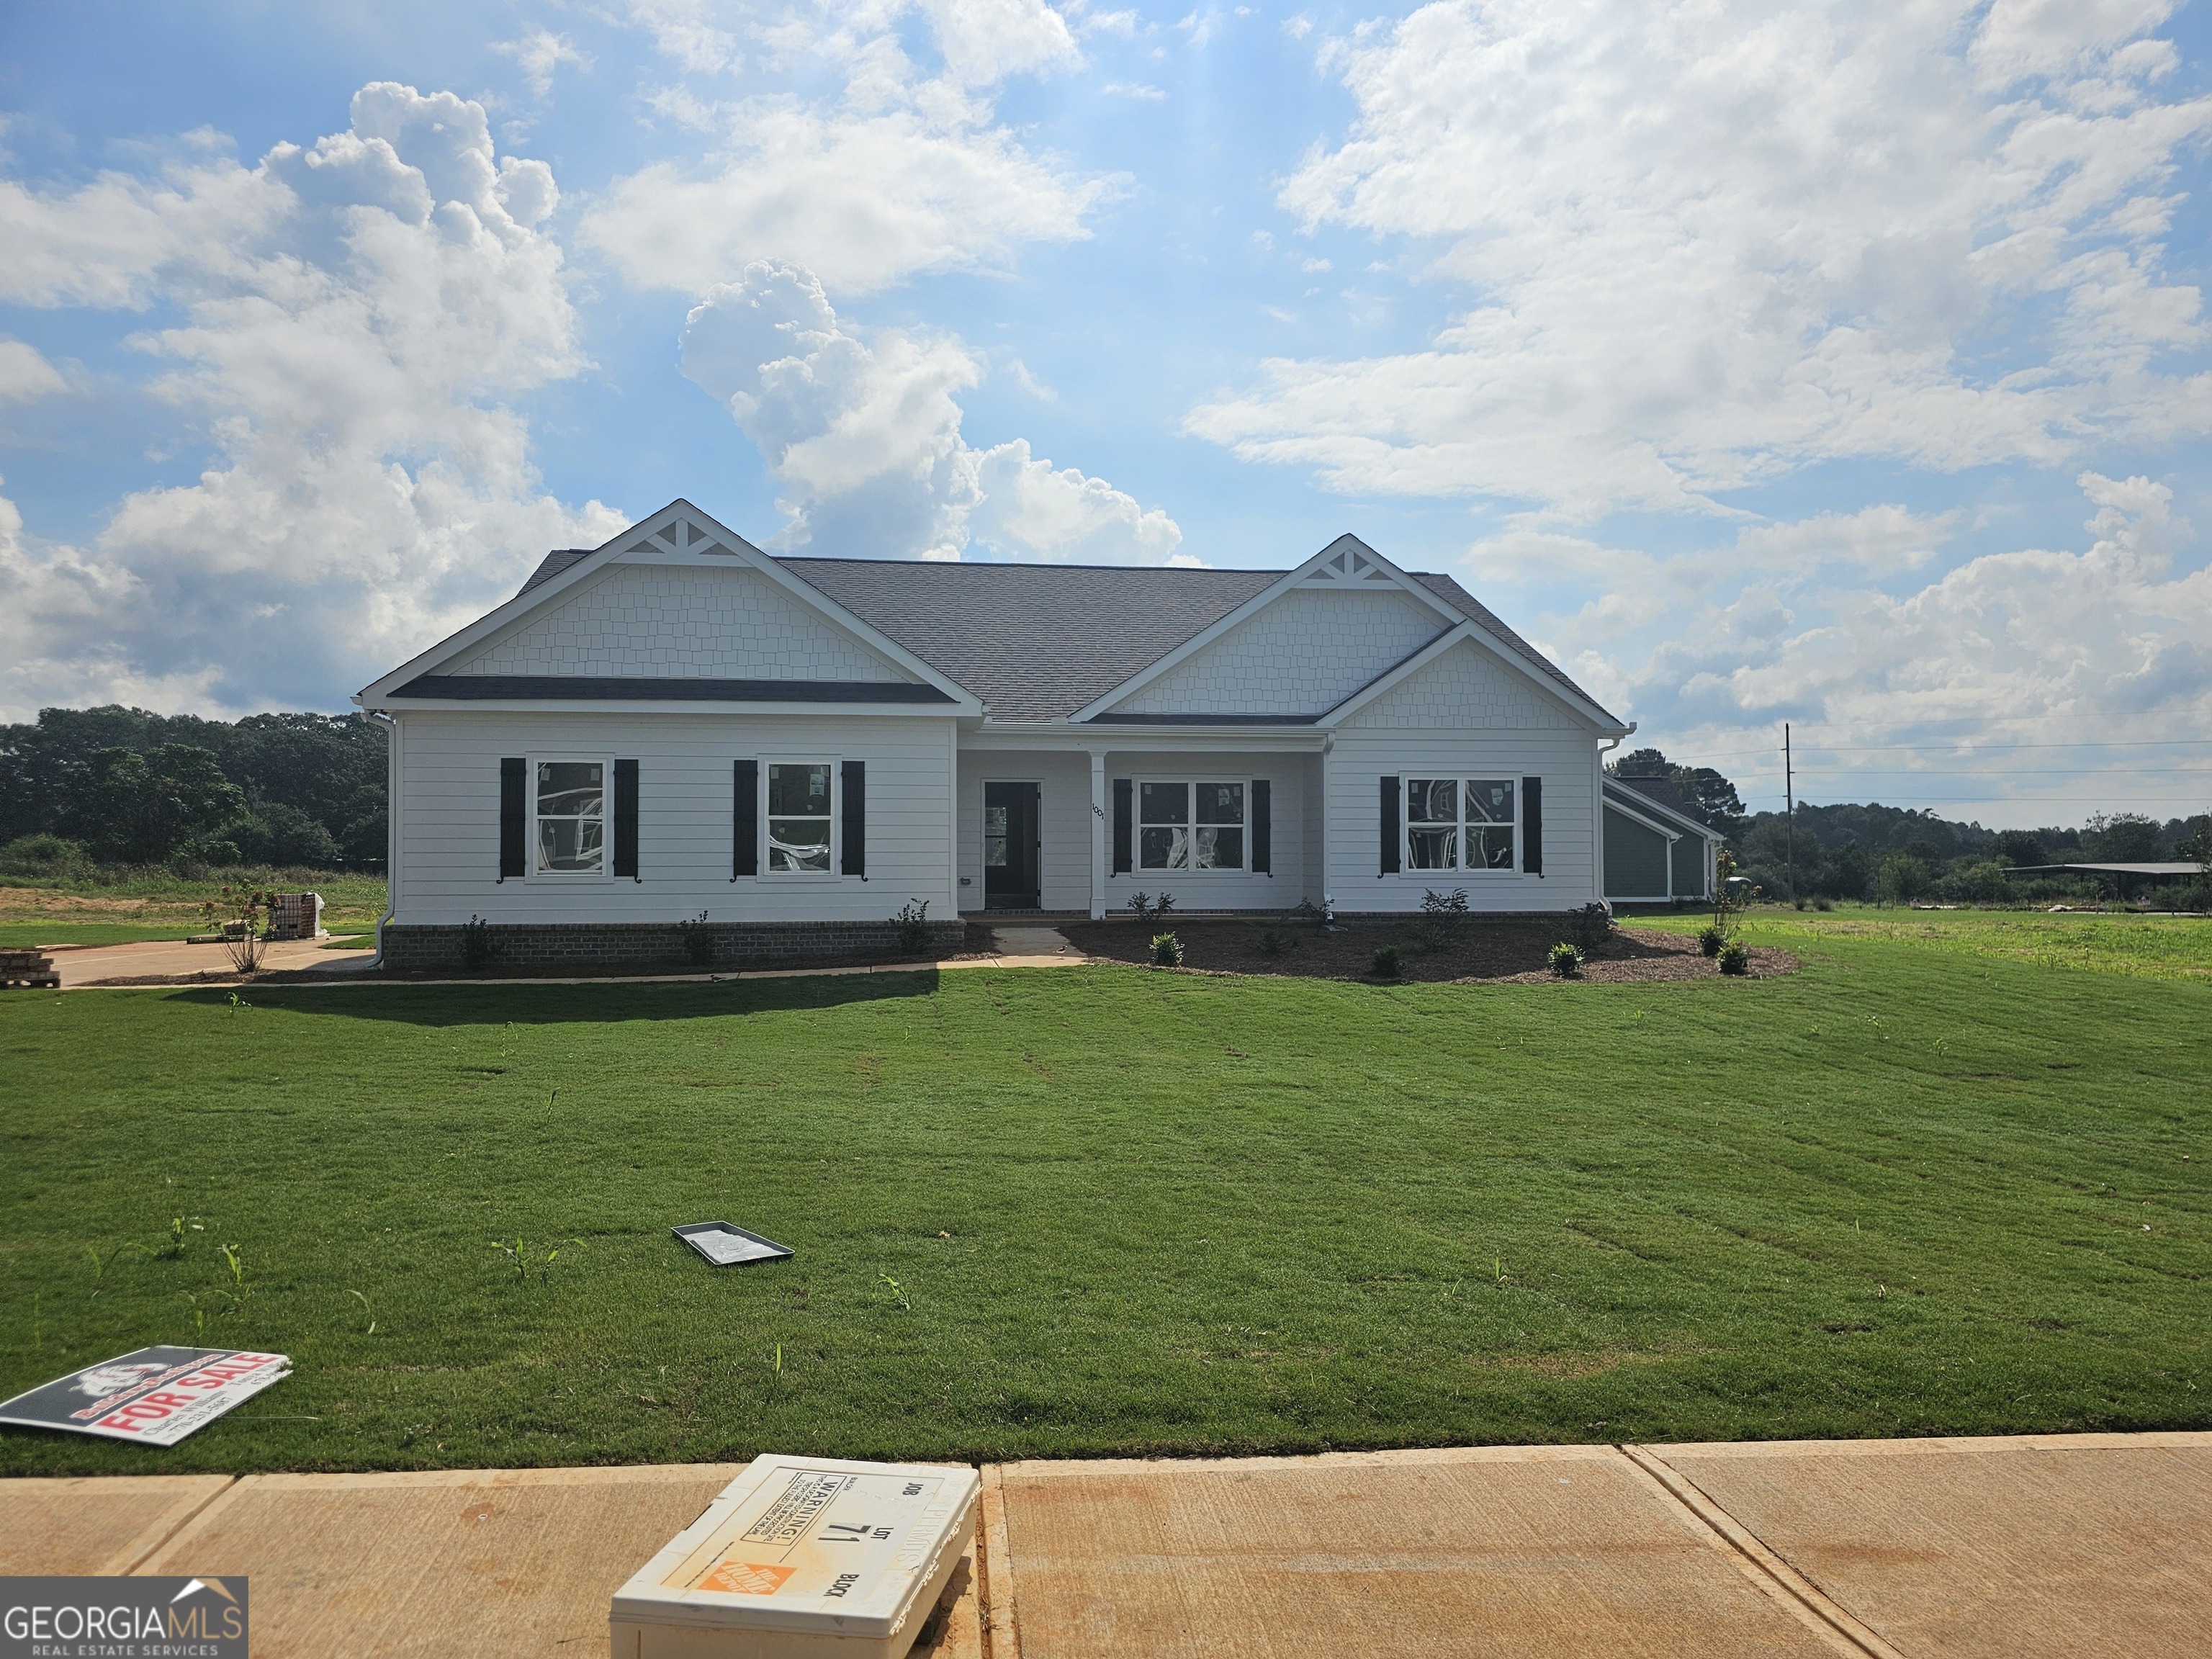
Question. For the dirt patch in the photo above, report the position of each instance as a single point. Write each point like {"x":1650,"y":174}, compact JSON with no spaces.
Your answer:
{"x":1483,"y":950}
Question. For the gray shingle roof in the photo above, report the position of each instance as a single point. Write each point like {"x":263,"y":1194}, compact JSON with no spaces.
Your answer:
{"x":1034,"y":641}
{"x":1038,"y":641}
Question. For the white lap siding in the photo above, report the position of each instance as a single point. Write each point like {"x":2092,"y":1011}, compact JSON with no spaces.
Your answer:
{"x":1464,"y":716}
{"x":1566,"y":761}
{"x":448,"y":845}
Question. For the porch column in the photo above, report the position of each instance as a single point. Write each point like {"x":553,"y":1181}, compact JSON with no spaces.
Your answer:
{"x":1099,"y":809}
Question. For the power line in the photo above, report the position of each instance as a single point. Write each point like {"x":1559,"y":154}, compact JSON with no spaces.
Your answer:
{"x":1952,"y":748}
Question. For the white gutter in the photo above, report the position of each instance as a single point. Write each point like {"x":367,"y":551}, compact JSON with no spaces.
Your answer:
{"x":391,"y":826}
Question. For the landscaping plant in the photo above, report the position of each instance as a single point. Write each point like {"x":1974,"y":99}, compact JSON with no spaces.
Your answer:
{"x":1567,"y":960}
{"x":1167,"y":951}
{"x":913,"y":924}
{"x":1443,"y":914}
{"x":698,"y":939}
{"x":238,"y":915}
{"x":1735,"y":958}
{"x":1389,"y":963}
{"x":1149,"y":910}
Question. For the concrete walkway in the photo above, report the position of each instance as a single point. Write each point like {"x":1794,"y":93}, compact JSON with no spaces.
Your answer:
{"x":170,"y":961}
{"x":174,"y":961}
{"x":2073,"y":1545}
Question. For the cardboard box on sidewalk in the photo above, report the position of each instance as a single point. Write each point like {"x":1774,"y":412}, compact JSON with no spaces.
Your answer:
{"x":803,"y":1558}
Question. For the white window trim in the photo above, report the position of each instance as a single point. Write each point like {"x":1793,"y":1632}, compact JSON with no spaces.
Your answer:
{"x":1140,"y":871}
{"x":804,"y":757}
{"x":1405,"y":870}
{"x":606,"y":870}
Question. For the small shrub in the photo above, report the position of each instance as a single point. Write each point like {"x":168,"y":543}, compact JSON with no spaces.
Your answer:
{"x":1275,"y":943}
{"x":1824,"y":904}
{"x":698,"y":939}
{"x":1306,"y":914}
{"x":1167,"y":951}
{"x":476,"y":942}
{"x":1712,"y":939}
{"x":1148,"y":910}
{"x":1567,"y":960}
{"x":40,"y":855}
{"x":1389,"y":963}
{"x":913,"y":924}
{"x":1593,"y":927}
{"x":238,"y":914}
{"x":1735,"y":959}
{"x":1441,"y":916}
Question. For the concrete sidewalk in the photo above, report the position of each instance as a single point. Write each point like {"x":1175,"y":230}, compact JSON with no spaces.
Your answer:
{"x":2088,"y":1544}
{"x":172,"y":961}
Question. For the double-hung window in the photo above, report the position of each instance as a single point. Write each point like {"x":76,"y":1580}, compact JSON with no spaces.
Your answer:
{"x":1191,"y":826}
{"x":571,"y":811}
{"x":798,"y":818}
{"x":1459,"y":824}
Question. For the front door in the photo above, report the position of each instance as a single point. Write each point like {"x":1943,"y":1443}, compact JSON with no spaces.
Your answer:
{"x":1010,"y":847}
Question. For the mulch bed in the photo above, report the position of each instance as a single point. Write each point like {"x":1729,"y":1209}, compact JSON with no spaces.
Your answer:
{"x":1491,"y":952}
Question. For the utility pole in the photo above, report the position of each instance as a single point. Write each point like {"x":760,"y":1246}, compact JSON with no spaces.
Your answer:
{"x":1789,"y":804}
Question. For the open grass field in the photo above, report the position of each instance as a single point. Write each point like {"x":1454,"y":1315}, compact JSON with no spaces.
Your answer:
{"x":156,"y":905}
{"x":1905,"y":1190}
{"x":2155,"y":946}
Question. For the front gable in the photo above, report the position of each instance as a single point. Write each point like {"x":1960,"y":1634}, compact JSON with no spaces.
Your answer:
{"x":676,"y":609}
{"x":1294,"y":650}
{"x":655,"y":619}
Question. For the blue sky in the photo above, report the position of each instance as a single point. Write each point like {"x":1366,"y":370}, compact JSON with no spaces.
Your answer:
{"x":1826,"y":363}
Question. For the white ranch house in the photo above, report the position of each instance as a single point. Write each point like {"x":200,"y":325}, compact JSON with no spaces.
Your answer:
{"x":676,"y":722}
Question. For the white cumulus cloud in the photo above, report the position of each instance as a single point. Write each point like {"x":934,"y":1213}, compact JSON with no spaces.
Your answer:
{"x":844,"y":154}
{"x":351,"y":318}
{"x":1697,"y":248}
{"x":862,"y":428}
{"x":25,"y":373}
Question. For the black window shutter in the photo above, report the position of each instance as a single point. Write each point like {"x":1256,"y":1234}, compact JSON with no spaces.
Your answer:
{"x":1124,"y":825}
{"x":856,"y":818}
{"x":744,"y":820}
{"x":626,"y":818}
{"x":1389,"y":826}
{"x":1531,"y":825}
{"x":1263,"y":828}
{"x":513,"y":809}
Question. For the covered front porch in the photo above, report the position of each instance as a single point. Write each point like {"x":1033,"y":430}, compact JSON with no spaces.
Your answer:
{"x":1076,"y":829}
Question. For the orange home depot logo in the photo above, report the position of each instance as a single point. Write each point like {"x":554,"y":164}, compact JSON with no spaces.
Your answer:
{"x":744,"y":1578}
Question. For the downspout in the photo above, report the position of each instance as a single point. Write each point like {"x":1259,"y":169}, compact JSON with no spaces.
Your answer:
{"x":391,"y":826}
{"x":1597,"y":828}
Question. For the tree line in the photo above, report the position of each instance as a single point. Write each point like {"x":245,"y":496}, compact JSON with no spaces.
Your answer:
{"x":1850,"y":851}
{"x":128,"y":787}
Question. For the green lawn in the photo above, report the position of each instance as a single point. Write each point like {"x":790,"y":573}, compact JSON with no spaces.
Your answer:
{"x":142,"y":904}
{"x":1907,"y":1190}
{"x":2156,"y":946}
{"x":17,"y":934}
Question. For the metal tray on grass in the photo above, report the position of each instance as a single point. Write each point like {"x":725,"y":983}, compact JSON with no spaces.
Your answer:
{"x":725,"y":1245}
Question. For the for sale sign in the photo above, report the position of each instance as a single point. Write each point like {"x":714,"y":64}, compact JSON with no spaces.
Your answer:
{"x":157,"y":1395}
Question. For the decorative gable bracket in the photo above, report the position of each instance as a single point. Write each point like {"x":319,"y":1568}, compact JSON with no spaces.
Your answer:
{"x":1352,"y":564}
